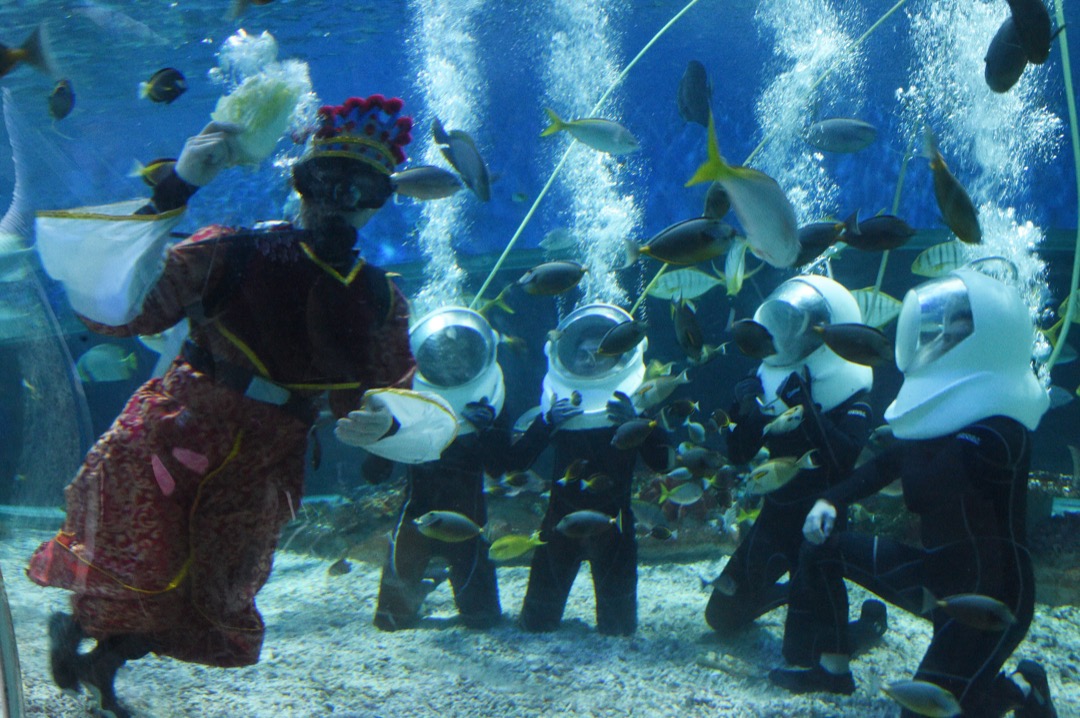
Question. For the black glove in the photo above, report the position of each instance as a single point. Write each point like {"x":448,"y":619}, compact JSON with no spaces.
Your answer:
{"x":796,"y":390}
{"x":561,"y":411}
{"x":620,"y":409}
{"x":747,"y":393}
{"x":480,"y":414}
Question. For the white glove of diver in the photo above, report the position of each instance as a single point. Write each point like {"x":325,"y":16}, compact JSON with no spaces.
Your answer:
{"x":207,"y":153}
{"x":365,"y":425}
{"x":819,"y":522}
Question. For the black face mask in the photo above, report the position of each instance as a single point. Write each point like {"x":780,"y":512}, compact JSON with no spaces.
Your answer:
{"x":346,"y":184}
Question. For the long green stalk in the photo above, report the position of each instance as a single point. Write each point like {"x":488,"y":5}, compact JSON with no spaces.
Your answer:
{"x":1070,"y":96}
{"x":554,"y":173}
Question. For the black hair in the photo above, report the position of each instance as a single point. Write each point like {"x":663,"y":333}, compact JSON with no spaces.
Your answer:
{"x":347,"y":184}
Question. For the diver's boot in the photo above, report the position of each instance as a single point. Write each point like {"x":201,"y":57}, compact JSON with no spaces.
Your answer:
{"x":870,"y":629}
{"x":97,"y":670}
{"x":1038,"y":703}
{"x":65,"y":635}
{"x":812,"y":680}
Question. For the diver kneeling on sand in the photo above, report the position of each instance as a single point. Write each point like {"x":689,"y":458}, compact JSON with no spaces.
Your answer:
{"x":963,"y":419}
{"x":173,"y":520}
{"x":804,"y":400}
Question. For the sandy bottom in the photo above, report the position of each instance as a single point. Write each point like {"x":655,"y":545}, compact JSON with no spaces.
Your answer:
{"x":322,"y":656}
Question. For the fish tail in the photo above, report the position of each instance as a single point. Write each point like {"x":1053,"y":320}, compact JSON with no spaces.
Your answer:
{"x":144,"y":90}
{"x":809,"y":460}
{"x":36,"y":51}
{"x":929,"y":602}
{"x":665,"y":492}
{"x":131,"y":362}
{"x":714,"y":168}
{"x":138,"y":169}
{"x":556,"y":123}
{"x":498,"y":302}
{"x":633,"y":251}
{"x":851,"y":224}
{"x":618,"y":521}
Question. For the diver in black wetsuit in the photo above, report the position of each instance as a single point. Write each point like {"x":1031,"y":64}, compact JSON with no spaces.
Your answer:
{"x":835,"y":425}
{"x":455,"y":351}
{"x":612,"y":554}
{"x":963,"y":419}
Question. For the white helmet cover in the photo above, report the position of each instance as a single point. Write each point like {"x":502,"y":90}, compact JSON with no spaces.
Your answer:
{"x":456,"y":350}
{"x":573,"y":365}
{"x":964,"y":345}
{"x":790,"y":314}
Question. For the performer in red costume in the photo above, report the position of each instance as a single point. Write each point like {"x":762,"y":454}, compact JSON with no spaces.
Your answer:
{"x":173,"y":520}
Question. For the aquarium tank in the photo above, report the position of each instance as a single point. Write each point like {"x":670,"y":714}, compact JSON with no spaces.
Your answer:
{"x":571,"y":358}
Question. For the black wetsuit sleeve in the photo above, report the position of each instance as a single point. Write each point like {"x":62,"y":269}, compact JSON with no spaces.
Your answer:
{"x":869,"y":478}
{"x":521,"y":454}
{"x":169,"y":194}
{"x":746,"y":439}
{"x":839,"y":434}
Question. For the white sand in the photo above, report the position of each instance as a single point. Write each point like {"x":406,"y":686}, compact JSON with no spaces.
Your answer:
{"x":322,"y":656}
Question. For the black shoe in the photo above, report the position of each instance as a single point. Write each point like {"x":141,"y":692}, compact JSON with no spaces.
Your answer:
{"x":1038,"y":704}
{"x":812,"y":680}
{"x":870,"y":629}
{"x":65,"y":635}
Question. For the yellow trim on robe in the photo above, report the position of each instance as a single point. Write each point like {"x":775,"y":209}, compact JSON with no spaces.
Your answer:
{"x":346,"y":279}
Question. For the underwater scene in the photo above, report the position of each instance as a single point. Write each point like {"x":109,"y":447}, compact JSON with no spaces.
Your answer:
{"x":574,"y":358}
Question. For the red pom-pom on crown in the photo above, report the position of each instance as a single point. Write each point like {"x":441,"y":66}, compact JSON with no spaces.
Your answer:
{"x":368,"y":128}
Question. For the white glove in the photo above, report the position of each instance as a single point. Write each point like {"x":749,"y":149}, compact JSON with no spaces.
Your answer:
{"x":365,"y":425}
{"x":819,"y":522}
{"x":207,"y":153}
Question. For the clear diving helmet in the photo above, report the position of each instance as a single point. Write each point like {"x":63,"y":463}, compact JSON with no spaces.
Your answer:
{"x":574,"y":365}
{"x":456,"y":351}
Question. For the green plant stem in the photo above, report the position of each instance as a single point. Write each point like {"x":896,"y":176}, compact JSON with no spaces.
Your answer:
{"x":554,"y":173}
{"x":1070,"y":96}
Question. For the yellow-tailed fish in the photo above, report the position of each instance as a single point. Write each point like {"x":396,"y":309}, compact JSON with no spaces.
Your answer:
{"x":682,"y":495}
{"x":513,"y":545}
{"x":688,"y":242}
{"x":775,"y":473}
{"x":763,"y":209}
{"x":598,"y":133}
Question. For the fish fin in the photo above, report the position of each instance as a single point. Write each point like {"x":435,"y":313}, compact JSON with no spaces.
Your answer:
{"x":851,"y":224}
{"x":37,"y":53}
{"x":556,"y":125}
{"x":439,"y":132}
{"x":929,"y":602}
{"x":144,"y":90}
{"x":138,"y":169}
{"x":633,"y":251}
{"x":714,"y":168}
{"x":131,"y":362}
{"x":618,"y":521}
